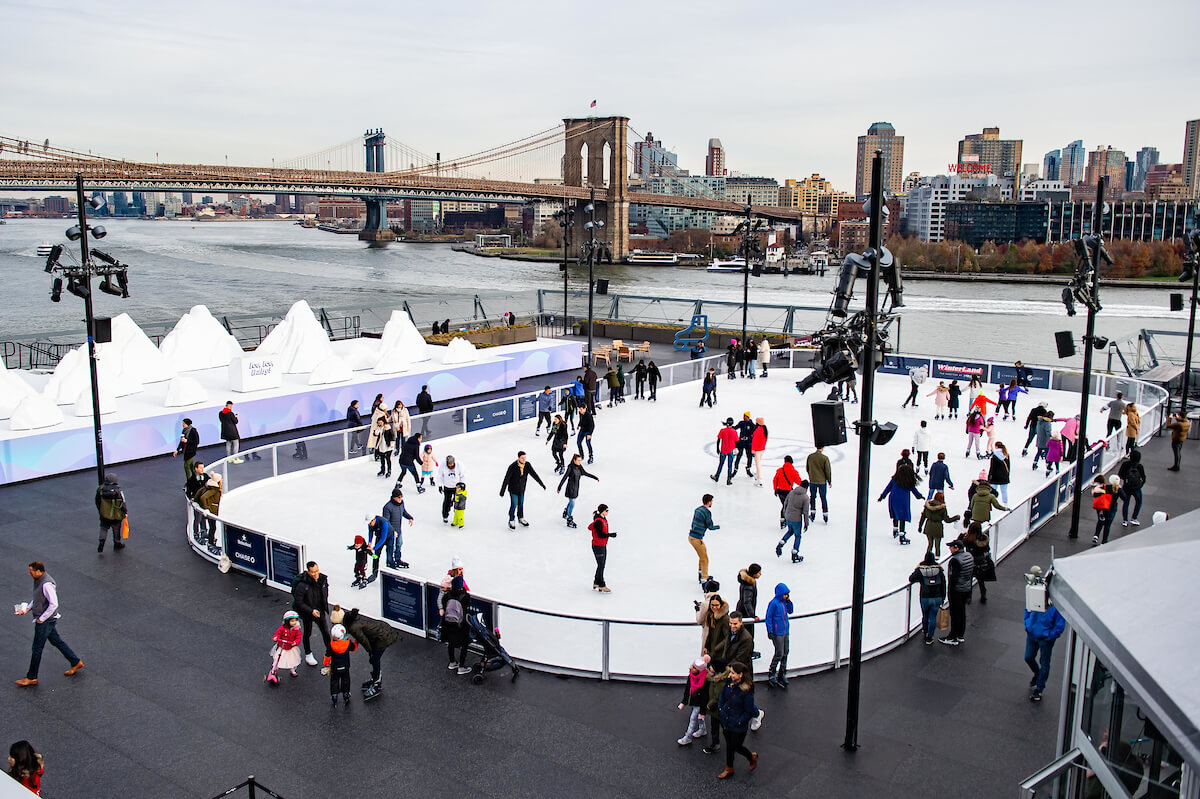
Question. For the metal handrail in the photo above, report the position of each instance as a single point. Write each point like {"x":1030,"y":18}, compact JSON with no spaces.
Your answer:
{"x":1150,"y":397}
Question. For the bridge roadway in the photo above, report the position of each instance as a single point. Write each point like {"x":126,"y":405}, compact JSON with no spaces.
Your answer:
{"x":112,"y":175}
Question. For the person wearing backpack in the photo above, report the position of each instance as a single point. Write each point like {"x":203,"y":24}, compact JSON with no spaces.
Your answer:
{"x":110,"y":502}
{"x":932,"y":580}
{"x":1133,"y":478}
{"x":1102,"y":503}
{"x":455,"y":630}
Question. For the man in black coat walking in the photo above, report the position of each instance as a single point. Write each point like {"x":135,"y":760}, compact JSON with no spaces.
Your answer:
{"x":310,"y":598}
{"x":189,"y":442}
{"x":515,"y":479}
{"x":354,"y":422}
{"x":424,"y":408}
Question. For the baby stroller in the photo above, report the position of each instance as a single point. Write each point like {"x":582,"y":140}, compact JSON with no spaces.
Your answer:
{"x":494,"y":656}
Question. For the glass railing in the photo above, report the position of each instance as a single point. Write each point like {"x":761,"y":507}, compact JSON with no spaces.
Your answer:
{"x":645,"y":650}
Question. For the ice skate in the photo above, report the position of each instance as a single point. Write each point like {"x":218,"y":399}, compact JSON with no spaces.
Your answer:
{"x":779,"y":550}
{"x":571,"y":522}
{"x":797,"y":557}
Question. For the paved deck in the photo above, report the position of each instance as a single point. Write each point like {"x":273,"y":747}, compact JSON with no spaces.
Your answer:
{"x":171,"y":702}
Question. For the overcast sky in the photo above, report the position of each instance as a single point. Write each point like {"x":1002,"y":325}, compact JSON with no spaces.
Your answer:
{"x":786,"y":86}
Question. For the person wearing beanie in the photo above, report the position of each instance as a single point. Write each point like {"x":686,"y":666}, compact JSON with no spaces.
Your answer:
{"x":338,"y":662}
{"x":455,"y":604}
{"x":727,"y":442}
{"x":361,"y":551}
{"x":745,"y":430}
{"x":110,"y":503}
{"x":189,"y":442}
{"x":600,"y":535}
{"x":373,"y":636}
{"x":932,"y":579}
{"x":695,"y":697}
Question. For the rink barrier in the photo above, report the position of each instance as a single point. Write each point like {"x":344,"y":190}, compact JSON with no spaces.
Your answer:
{"x":820,"y":639}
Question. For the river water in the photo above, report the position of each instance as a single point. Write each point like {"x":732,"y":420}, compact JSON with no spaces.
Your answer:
{"x":247,"y":268}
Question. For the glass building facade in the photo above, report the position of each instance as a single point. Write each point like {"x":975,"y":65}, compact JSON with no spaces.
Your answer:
{"x":977,"y":222}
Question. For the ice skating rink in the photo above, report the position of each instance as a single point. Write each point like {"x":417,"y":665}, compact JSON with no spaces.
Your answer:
{"x":653,"y":460}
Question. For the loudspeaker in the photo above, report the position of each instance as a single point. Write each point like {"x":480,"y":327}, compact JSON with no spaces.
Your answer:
{"x":1176,"y":302}
{"x":829,"y":423}
{"x":602,"y":286}
{"x":756,"y":271}
{"x":1065,"y":340}
{"x":102,"y":329}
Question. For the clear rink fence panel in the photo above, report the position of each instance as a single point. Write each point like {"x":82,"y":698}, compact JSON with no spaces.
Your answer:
{"x":647,"y":650}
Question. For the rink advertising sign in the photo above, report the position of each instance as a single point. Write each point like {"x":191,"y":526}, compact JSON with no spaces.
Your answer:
{"x":247,"y":550}
{"x":1066,"y":486}
{"x":900,"y":364}
{"x":490,"y":414}
{"x":959,"y":370}
{"x":1038,"y":378}
{"x":284,"y":560}
{"x":402,"y":600}
{"x":1043,"y":506}
{"x":527,"y":407}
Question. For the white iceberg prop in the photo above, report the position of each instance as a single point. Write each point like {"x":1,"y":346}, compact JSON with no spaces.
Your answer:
{"x":402,"y":345}
{"x":459,"y":350}
{"x":83,"y":403}
{"x":12,"y":390}
{"x":182,"y":391}
{"x":198,"y":341}
{"x":299,"y":342}
{"x":35,"y":411}
{"x":73,"y":376}
{"x":362,"y":356}
{"x":143,"y":362}
{"x":330,"y":370}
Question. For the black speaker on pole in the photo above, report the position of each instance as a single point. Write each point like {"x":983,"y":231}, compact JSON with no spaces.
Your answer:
{"x":1176,"y":302}
{"x":829,"y":423}
{"x":602,"y":285}
{"x":1066,"y":343}
{"x":756,"y":270}
{"x":102,"y":329}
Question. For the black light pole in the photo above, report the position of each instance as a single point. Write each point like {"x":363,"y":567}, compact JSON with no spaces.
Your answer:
{"x":746,"y":270}
{"x":85,"y":260}
{"x":865,"y":429}
{"x":1089,"y":338}
{"x":1193,"y":257}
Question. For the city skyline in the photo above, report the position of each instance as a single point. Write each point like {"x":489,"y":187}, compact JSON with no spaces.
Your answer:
{"x":276,"y":85}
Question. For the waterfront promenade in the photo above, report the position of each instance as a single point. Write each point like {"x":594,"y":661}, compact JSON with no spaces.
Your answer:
{"x":172,"y":703}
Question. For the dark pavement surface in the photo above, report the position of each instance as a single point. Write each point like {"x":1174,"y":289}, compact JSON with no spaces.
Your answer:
{"x":172,"y":703}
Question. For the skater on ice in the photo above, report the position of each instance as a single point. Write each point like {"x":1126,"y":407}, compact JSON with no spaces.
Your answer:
{"x":571,"y":478}
{"x":600,"y":535}
{"x":898,"y":491}
{"x":516,"y":478}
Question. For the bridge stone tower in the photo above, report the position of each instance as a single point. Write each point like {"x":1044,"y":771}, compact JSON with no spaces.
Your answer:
{"x":376,"y":229}
{"x":612,"y":190}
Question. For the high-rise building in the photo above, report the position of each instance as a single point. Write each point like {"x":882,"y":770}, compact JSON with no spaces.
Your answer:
{"x":880,"y":136}
{"x":1191,"y":158}
{"x":1070,"y":170}
{"x":1109,"y":163}
{"x":1051,"y":163}
{"x":1165,"y":182}
{"x":650,"y":158}
{"x":804,"y":195}
{"x":1130,"y":168}
{"x":56,"y":205}
{"x":925,"y":211}
{"x":757,"y":191}
{"x":714,"y":162}
{"x":1145,"y":158}
{"x":1002,"y":155}
{"x":187,"y":198}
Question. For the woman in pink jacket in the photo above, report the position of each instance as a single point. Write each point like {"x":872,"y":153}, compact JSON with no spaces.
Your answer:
{"x":1069,"y":432}
{"x":974,"y":427}
{"x":758,"y":444}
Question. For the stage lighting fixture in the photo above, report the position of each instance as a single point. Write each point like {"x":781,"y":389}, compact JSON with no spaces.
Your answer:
{"x":73,"y":233}
{"x":108,"y":288}
{"x":77,"y":288}
{"x":1068,"y":301}
{"x":52,"y":258}
{"x":56,"y":290}
{"x":96,"y":202}
{"x":883,"y":433}
{"x":98,"y":232}
{"x":105,"y":257}
{"x":1099,"y":342}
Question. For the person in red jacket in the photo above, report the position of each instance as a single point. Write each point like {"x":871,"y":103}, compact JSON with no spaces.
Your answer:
{"x":981,"y":402}
{"x":758,"y":445}
{"x":600,"y":536}
{"x":727,"y":441}
{"x":286,"y":652}
{"x":786,"y":478}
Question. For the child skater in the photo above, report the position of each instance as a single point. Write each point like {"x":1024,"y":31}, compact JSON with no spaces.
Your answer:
{"x":557,"y":439}
{"x":695,"y":696}
{"x":974,"y":426}
{"x":1054,"y":454}
{"x":428,"y":464}
{"x":460,"y":504}
{"x":361,"y":551}
{"x":286,"y":652}
{"x":338,"y":661}
{"x":990,"y":428}
{"x":941,"y":398}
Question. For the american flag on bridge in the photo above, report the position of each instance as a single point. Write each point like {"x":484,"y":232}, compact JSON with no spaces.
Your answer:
{"x":593,"y":105}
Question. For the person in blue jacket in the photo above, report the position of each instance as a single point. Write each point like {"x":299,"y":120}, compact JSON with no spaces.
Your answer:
{"x":899,"y":491}
{"x":736,"y":708}
{"x":379,"y":542}
{"x":545,"y":407}
{"x":939,"y":475}
{"x":1042,"y":629}
{"x":778,"y":626}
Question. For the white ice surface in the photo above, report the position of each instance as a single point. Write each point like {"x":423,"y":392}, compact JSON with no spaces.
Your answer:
{"x":653,"y":461}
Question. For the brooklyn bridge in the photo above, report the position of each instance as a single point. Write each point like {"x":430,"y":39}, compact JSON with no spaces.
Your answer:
{"x":566,"y":163}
